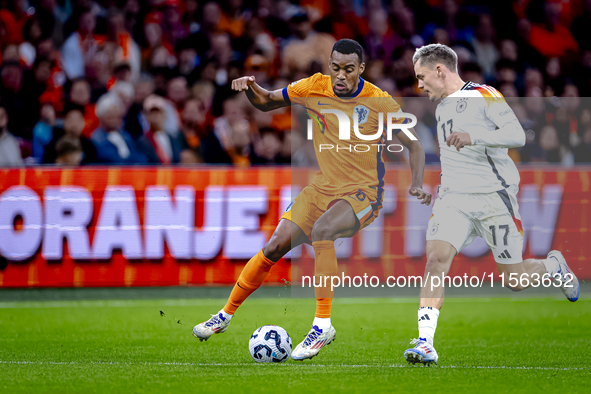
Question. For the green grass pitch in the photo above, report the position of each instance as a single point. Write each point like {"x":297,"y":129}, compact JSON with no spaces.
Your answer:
{"x":127,"y":345}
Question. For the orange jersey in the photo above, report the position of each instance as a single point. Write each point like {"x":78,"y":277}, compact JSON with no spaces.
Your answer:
{"x":353,"y":164}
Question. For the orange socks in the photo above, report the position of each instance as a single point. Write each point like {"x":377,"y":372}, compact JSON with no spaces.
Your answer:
{"x":325,"y":265}
{"x":256,"y":270}
{"x":252,"y":276}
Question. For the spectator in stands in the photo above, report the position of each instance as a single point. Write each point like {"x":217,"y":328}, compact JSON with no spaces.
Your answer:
{"x":232,"y":137}
{"x":113,"y":144}
{"x":381,"y":40}
{"x":73,"y":130}
{"x":533,"y":79}
{"x":10,"y":93}
{"x":43,"y":132}
{"x":188,"y":59}
{"x":135,"y":120}
{"x":80,"y":95}
{"x":68,"y":152}
{"x":124,"y":49}
{"x":233,"y":19}
{"x":35,"y":83}
{"x":174,"y":29}
{"x":505,"y":72}
{"x":405,"y":23}
{"x":262,"y":41}
{"x":580,"y":26}
{"x":484,"y":46}
{"x":472,"y":72}
{"x":257,"y":66}
{"x":158,"y":52}
{"x":267,"y":148}
{"x":81,"y":48}
{"x":192,"y":49}
{"x":509,"y":51}
{"x":508,"y":90}
{"x":158,"y":146}
{"x":125,"y":92}
{"x":121,"y":72}
{"x":177,"y":92}
{"x":10,"y":152}
{"x":548,"y":36}
{"x":305,"y":47}
{"x":583,"y":151}
{"x":550,"y":144}
{"x":194,"y":132}
{"x":554,"y":78}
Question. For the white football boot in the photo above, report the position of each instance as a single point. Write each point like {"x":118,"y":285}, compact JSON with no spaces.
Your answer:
{"x":216,"y":325}
{"x":573,"y":290}
{"x":314,"y":341}
{"x":423,"y":352}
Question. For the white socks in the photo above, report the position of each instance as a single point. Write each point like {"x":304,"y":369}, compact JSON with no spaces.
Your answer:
{"x":551,"y":265}
{"x":226,"y":316}
{"x":322,"y":323}
{"x":427,"y":322}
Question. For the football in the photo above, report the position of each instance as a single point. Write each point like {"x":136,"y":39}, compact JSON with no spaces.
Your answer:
{"x":270,"y":344}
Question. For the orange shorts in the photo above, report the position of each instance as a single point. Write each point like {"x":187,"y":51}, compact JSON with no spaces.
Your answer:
{"x":312,"y":202}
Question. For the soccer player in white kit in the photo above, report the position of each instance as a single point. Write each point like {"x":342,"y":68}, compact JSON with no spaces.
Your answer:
{"x":477,"y":195}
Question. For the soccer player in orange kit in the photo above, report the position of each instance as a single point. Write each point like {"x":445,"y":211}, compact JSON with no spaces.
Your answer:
{"x":345,"y":195}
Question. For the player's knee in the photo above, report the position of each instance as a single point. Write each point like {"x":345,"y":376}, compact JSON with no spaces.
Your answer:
{"x":436,"y":263}
{"x":322,"y":232}
{"x":274,"y":249}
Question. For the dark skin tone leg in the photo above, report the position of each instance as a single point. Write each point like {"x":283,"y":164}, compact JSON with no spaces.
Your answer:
{"x":338,"y":222}
{"x":287,"y":235}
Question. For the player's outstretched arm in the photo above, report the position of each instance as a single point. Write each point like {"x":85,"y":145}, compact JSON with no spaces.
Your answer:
{"x":417,"y":166}
{"x":261,"y":98}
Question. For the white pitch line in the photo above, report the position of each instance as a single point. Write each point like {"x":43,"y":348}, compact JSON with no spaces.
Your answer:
{"x":284,"y":365}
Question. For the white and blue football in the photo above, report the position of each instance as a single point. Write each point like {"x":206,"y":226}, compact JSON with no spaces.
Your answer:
{"x":270,"y":344}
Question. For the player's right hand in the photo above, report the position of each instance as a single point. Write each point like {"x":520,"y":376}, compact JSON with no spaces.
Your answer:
{"x":420,"y":195}
{"x":240,"y":84}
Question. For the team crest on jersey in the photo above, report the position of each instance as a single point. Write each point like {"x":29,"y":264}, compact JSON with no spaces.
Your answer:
{"x":362,"y":113}
{"x":434,"y":229}
{"x":462,"y":104}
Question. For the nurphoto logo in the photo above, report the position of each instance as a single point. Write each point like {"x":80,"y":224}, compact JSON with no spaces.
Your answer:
{"x":360,"y":116}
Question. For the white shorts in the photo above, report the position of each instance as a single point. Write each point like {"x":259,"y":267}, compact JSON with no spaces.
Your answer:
{"x":460,"y":218}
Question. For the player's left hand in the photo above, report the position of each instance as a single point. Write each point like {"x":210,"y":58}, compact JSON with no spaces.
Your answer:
{"x":420,"y":194}
{"x":458,"y":139}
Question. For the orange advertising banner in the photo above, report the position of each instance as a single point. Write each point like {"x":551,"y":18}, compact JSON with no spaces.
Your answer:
{"x":165,"y":226}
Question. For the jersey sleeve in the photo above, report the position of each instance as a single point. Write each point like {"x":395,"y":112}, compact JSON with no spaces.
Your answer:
{"x":509,"y":133}
{"x":496,"y":108}
{"x":499,"y":112}
{"x":297,"y":90}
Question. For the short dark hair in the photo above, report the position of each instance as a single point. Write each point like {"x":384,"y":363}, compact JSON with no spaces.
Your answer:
{"x":471,"y":67}
{"x":67,"y":145}
{"x":347,"y":46}
{"x":69,"y":107}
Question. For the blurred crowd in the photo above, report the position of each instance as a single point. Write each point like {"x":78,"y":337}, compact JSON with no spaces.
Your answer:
{"x":148,"y":82}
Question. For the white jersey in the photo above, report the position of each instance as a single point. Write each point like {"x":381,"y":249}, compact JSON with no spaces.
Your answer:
{"x":484,"y":166}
